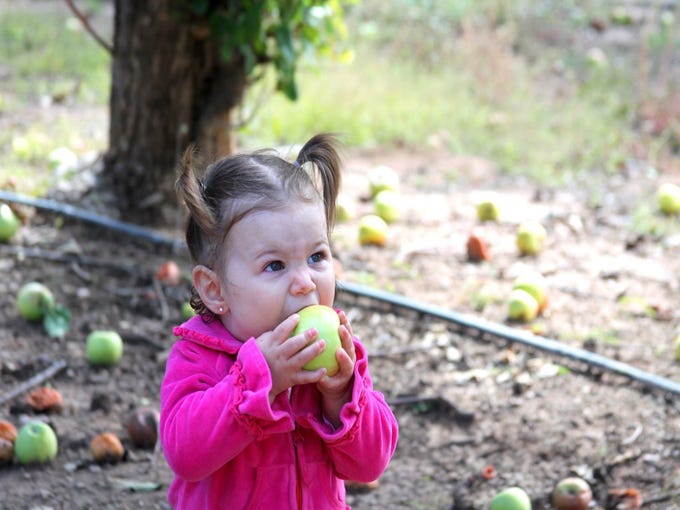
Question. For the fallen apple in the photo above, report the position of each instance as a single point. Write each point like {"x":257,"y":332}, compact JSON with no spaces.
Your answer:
{"x":326,"y":322}
{"x":487,"y":210}
{"x":668,"y":198}
{"x":187,"y":311}
{"x":8,"y":434}
{"x":142,"y":427}
{"x":9,"y":223}
{"x":572,"y":493}
{"x":534,"y":283}
{"x":387,"y":205}
{"x":345,"y":208}
{"x":36,"y":442}
{"x":381,"y":178}
{"x":34,"y":300}
{"x":372,"y":230}
{"x":522,"y":306}
{"x":512,"y":498}
{"x":476,"y":248}
{"x":45,"y":400}
{"x":169,"y":273}
{"x":104,"y":347}
{"x":530,"y":237}
{"x":106,"y":447}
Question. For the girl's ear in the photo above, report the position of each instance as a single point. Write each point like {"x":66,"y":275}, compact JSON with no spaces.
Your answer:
{"x":209,"y":288}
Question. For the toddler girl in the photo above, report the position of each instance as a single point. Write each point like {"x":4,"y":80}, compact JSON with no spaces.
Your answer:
{"x":243,"y":425}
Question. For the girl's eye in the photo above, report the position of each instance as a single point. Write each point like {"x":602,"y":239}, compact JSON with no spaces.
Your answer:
{"x":277,"y":265}
{"x":317,"y":257}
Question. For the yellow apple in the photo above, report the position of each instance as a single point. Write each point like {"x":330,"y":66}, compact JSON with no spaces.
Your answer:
{"x":530,"y":237}
{"x":487,"y":210}
{"x":381,"y":178}
{"x":326,"y":322}
{"x":534,"y":283}
{"x":387,"y":205}
{"x":522,"y":306}
{"x":668,"y":197}
{"x":372,"y":230}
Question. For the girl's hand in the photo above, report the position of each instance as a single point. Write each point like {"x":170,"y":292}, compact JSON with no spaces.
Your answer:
{"x":336,"y":390}
{"x":286,"y":356}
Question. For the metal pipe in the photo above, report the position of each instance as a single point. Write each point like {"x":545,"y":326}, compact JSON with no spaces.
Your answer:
{"x":497,"y":330}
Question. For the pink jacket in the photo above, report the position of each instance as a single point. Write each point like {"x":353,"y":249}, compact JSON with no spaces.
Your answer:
{"x":229,"y":448}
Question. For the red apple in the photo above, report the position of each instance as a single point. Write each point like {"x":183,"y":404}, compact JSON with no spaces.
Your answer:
{"x":107,"y":447}
{"x":572,"y":493}
{"x":142,"y":427}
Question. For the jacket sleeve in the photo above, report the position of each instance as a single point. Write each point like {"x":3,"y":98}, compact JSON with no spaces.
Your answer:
{"x":363,"y":446}
{"x":212,"y":407}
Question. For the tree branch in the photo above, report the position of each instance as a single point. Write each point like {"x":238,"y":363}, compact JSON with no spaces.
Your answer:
{"x":88,"y":27}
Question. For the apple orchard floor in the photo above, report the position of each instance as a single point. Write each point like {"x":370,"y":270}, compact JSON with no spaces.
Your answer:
{"x":466,"y":407}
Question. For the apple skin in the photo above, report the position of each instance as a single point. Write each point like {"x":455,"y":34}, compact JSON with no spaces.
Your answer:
{"x":534,"y":284}
{"x":32,"y":300}
{"x":530,"y":237}
{"x":487,"y":210}
{"x":512,"y":498}
{"x":372,"y":230}
{"x":572,"y":493}
{"x":382,"y":178}
{"x":36,"y":442}
{"x":387,"y":205}
{"x":9,"y":224}
{"x":522,"y":306}
{"x":668,"y":198}
{"x":104,"y":347}
{"x":326,"y":322}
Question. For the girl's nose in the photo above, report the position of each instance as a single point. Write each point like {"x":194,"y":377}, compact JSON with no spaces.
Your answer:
{"x":301,"y":282}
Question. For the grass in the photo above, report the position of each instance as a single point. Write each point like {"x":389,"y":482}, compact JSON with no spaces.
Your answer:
{"x":489,"y":78}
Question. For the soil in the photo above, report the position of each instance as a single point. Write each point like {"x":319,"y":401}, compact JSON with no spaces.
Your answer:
{"x":476,"y":413}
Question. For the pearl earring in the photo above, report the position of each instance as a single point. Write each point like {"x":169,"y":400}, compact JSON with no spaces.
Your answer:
{"x":221,"y":310}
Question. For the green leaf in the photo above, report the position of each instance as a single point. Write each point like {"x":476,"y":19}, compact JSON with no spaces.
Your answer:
{"x":57,"y":321}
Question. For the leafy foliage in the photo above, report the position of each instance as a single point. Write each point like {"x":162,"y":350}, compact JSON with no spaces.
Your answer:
{"x":276,"y":32}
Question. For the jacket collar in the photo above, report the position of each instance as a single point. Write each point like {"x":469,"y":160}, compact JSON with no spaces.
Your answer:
{"x":211,"y":334}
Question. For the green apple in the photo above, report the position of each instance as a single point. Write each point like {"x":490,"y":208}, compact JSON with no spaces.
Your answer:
{"x":372,"y":230}
{"x":326,"y":322}
{"x":533,"y":282}
{"x":34,"y":300}
{"x":387,"y":205}
{"x":522,"y":306}
{"x":187,"y":311}
{"x":668,"y":198}
{"x":487,"y":210}
{"x":530,"y":237}
{"x":572,"y":493}
{"x":9,"y":224}
{"x":104,"y":347}
{"x":345,"y":208}
{"x":512,"y":498}
{"x":381,"y":178}
{"x":36,"y":442}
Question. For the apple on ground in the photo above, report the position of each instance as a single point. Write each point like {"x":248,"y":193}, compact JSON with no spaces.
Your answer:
{"x":36,"y":442}
{"x":34,"y":300}
{"x":522,"y":306}
{"x":106,"y":447}
{"x":668,"y":198}
{"x":512,"y":498}
{"x":534,"y":283}
{"x":187,"y":311}
{"x":387,"y":205}
{"x":142,"y":426}
{"x":326,"y":322}
{"x":8,"y":434}
{"x":530,"y":237}
{"x":381,"y":178}
{"x":372,"y":230}
{"x":487,"y":209}
{"x":9,"y":223}
{"x":572,"y":493}
{"x":104,"y":347}
{"x":345,"y":208}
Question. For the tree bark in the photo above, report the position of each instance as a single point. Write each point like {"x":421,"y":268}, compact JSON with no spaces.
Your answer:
{"x":170,"y":88}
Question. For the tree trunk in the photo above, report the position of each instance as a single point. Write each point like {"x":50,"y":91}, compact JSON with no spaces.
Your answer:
{"x":170,"y":88}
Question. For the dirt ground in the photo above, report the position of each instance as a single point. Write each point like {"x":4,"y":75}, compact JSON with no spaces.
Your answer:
{"x":466,"y":406}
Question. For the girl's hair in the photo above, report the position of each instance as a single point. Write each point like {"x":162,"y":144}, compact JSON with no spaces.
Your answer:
{"x":237,"y":185}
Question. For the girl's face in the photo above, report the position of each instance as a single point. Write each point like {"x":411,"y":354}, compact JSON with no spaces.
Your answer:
{"x":278,"y":262}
